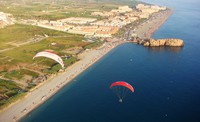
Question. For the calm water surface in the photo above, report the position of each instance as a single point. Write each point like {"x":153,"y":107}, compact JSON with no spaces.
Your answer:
{"x":166,"y":80}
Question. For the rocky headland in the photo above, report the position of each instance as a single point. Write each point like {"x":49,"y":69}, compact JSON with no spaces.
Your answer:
{"x":159,"y":42}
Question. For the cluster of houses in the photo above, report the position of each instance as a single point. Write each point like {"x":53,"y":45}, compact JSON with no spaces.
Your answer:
{"x":149,"y":9}
{"x":115,"y":19}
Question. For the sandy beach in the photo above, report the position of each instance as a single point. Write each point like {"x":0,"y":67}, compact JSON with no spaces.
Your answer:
{"x":42,"y":92}
{"x":147,"y":28}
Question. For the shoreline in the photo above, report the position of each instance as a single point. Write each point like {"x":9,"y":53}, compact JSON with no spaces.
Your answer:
{"x":147,"y":28}
{"x":47,"y":89}
{"x":41,"y":93}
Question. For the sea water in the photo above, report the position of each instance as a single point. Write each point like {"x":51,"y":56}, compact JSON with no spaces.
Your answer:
{"x":166,"y":80}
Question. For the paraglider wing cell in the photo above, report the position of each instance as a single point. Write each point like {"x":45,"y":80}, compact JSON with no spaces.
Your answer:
{"x":122,"y":83}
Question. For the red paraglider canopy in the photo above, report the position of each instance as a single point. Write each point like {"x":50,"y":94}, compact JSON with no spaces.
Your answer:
{"x":122,"y":83}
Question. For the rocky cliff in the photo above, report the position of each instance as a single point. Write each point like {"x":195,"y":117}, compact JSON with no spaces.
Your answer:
{"x":159,"y":42}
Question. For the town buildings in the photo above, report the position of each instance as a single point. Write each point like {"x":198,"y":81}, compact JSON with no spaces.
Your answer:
{"x":112,"y":22}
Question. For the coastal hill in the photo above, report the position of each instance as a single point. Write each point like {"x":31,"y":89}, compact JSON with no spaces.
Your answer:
{"x":27,"y":2}
{"x":22,"y":1}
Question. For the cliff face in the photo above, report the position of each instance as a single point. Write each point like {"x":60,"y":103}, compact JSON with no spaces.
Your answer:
{"x":160,"y":42}
{"x":174,"y":42}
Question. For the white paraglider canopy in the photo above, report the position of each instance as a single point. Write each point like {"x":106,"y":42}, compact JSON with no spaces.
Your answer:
{"x":51,"y":55}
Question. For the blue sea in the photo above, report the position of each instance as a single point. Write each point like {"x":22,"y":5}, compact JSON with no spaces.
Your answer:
{"x":166,"y":80}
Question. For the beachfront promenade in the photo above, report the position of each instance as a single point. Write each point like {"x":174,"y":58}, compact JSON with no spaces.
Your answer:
{"x":41,"y":93}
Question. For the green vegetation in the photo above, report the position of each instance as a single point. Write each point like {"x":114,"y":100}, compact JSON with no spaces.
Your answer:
{"x":80,"y":14}
{"x":60,"y":10}
{"x":18,"y":74}
{"x":11,"y":62}
{"x":5,"y":102}
{"x":9,"y":92}
{"x":22,"y":56}
{"x":17,"y":64}
{"x":93,"y":45}
{"x":55,"y":68}
{"x":70,"y":61}
{"x":19,"y":33}
{"x":33,"y":11}
{"x":26,"y":52}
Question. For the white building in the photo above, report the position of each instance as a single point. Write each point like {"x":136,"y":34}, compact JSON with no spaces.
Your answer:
{"x":78,"y":20}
